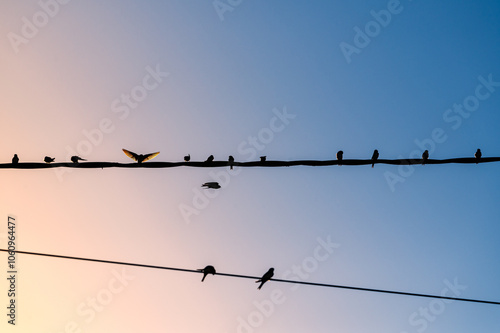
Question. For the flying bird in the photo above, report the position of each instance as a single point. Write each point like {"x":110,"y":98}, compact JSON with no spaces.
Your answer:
{"x":263,"y":158}
{"x":48,"y":159}
{"x":213,"y":185}
{"x":15,"y":159}
{"x":210,"y":158}
{"x":340,"y":155}
{"x":477,"y":155}
{"x":425,"y":156}
{"x":374,"y":157}
{"x":266,"y":277}
{"x":231,"y":161}
{"x":207,"y":270}
{"x":75,"y":159}
{"x":187,"y":157}
{"x":139,"y":157}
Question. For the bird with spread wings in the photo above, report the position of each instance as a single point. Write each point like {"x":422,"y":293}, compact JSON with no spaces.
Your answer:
{"x":139,"y":157}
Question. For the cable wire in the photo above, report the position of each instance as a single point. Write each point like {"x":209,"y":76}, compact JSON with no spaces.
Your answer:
{"x":257,"y":277}
{"x":154,"y":165}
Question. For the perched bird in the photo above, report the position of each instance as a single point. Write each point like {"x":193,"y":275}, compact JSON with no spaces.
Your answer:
{"x":425,"y":156}
{"x":207,"y":270}
{"x":213,"y":185}
{"x":48,"y":159}
{"x":340,"y":155}
{"x":15,"y":159}
{"x":187,"y":157}
{"x":210,"y":158}
{"x":266,"y":277}
{"x":263,"y":158}
{"x":231,"y":161}
{"x":140,"y":158}
{"x":75,"y":159}
{"x":374,"y":157}
{"x":477,"y":155}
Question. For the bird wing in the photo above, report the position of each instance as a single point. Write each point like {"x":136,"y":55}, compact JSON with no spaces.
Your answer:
{"x":148,"y":157}
{"x":130,"y":154}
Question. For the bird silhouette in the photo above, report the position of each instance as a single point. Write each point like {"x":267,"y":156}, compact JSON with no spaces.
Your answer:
{"x":75,"y":159}
{"x":139,"y":157}
{"x":340,"y":155}
{"x":266,"y":277}
{"x":425,"y":156}
{"x":15,"y":159}
{"x":263,"y":158}
{"x":187,"y":157}
{"x":213,"y":185}
{"x":230,"y":159}
{"x":210,"y":158}
{"x":374,"y":157}
{"x":48,"y":159}
{"x":478,"y":155}
{"x":207,"y":270}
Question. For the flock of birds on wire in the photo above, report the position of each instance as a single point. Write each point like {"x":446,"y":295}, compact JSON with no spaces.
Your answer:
{"x":139,"y":158}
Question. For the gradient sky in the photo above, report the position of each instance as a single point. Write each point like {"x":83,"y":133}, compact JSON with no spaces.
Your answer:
{"x":415,"y":78}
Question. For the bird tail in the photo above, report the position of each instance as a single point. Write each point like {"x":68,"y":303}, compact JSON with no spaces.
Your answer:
{"x":204,"y":276}
{"x":373,"y":164}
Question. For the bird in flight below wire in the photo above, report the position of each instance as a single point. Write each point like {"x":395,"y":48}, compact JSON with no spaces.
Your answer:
{"x":266,"y":277}
{"x":15,"y":159}
{"x":139,"y":157}
{"x":75,"y":159}
{"x":374,"y":157}
{"x":340,"y":156}
{"x":207,"y":270}
{"x":213,"y":185}
{"x":478,"y":155}
{"x":425,"y":156}
{"x":48,"y":159}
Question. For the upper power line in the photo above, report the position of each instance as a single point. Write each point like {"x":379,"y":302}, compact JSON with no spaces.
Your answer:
{"x":263,"y":162}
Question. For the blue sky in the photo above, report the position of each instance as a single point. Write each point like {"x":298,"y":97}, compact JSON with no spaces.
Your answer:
{"x":268,"y":77}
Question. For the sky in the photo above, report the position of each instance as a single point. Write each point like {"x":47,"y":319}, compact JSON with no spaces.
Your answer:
{"x":286,"y":79}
